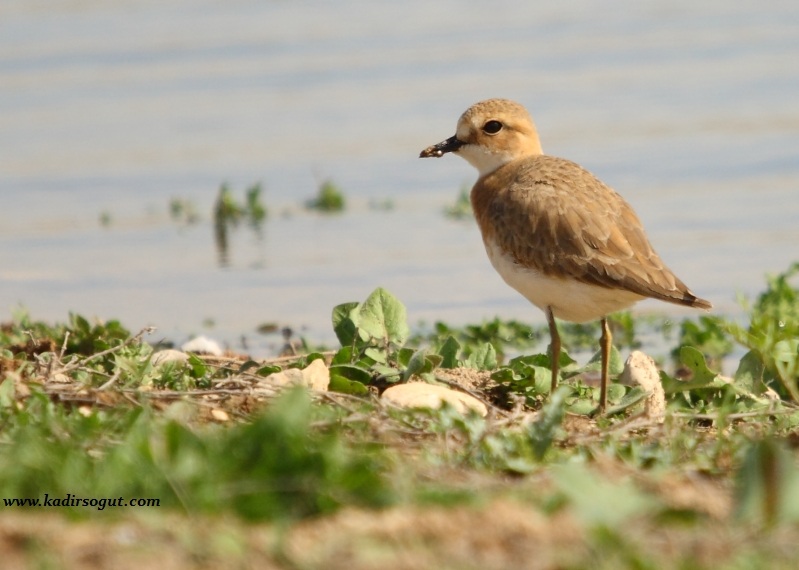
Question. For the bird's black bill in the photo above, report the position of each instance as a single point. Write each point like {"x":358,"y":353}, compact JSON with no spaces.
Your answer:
{"x":437,"y":150}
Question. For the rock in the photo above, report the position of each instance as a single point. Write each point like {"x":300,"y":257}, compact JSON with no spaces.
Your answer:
{"x":168,"y":355}
{"x":316,"y":376}
{"x":424,"y":395}
{"x":202,"y":345}
{"x":640,"y":369}
{"x":219,"y":415}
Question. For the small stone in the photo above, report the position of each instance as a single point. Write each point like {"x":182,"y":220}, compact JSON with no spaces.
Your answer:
{"x":168,"y":355}
{"x":640,"y":369}
{"x":424,"y":395}
{"x":219,"y":415}
{"x":315,"y":376}
{"x":203,"y":345}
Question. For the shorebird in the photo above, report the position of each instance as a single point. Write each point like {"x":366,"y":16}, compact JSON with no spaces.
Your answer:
{"x":553,"y":231}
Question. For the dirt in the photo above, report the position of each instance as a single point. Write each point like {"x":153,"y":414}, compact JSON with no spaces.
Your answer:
{"x":497,"y":534}
{"x":502,"y":530}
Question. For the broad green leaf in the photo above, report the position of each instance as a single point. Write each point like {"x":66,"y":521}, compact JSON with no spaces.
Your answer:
{"x":631,"y":398}
{"x":7,"y":393}
{"x":785,"y":359}
{"x":383,"y":317}
{"x":582,"y":406}
{"x":483,"y":358}
{"x":311,"y":356}
{"x":433,"y":361}
{"x":616,"y":392}
{"x":198,"y":367}
{"x":615,"y":364}
{"x":703,"y":377}
{"x":449,"y":352}
{"x":344,"y":324}
{"x":390,"y":374}
{"x":342,"y":356}
{"x":346,"y":386}
{"x":416,"y":364}
{"x":749,"y":375}
{"x":351,"y":372}
{"x":542,"y":431}
{"x":267,"y":370}
{"x":376,"y":354}
{"x":404,"y":355}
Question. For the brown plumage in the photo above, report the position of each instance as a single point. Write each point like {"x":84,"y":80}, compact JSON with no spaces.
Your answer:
{"x":554,"y":232}
{"x":568,"y":224}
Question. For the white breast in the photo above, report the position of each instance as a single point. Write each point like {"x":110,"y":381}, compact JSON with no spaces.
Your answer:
{"x":569,"y":299}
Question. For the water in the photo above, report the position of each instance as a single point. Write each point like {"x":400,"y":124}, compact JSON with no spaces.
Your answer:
{"x":690,"y":110}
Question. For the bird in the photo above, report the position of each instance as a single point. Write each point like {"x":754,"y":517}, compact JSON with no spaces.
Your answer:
{"x":569,"y":243}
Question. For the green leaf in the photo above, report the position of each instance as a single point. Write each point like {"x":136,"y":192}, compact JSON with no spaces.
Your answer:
{"x":7,"y":393}
{"x":416,"y":364}
{"x":615,"y":363}
{"x":268,"y":369}
{"x":344,"y":323}
{"x":542,"y":432}
{"x":198,"y":367}
{"x":311,"y":356}
{"x":351,"y":372}
{"x":404,"y":355}
{"x":483,"y":358}
{"x":390,"y":374}
{"x":449,"y":352}
{"x":631,"y":398}
{"x":377,"y":354}
{"x":703,"y":377}
{"x":785,"y":359}
{"x":582,"y":406}
{"x":383,"y":317}
{"x":527,"y":372}
{"x":342,"y":356}
{"x":346,"y":386}
{"x":749,"y":375}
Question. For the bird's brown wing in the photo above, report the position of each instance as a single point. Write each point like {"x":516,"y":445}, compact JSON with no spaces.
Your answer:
{"x":561,"y":220}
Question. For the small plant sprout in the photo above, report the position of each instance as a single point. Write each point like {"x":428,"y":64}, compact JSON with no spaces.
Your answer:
{"x":329,"y":199}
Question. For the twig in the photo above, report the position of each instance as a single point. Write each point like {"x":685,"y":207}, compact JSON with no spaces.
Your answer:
{"x":82,"y":362}
{"x":63,"y":346}
{"x":111,"y":381}
{"x":738,"y":416}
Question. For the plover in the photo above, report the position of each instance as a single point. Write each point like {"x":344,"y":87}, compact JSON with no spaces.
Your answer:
{"x":553,"y":231}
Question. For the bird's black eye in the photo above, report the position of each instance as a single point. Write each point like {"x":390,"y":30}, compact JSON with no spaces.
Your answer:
{"x":492,"y":127}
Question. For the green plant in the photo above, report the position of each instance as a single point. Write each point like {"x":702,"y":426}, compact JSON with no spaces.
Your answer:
{"x":276,"y":466}
{"x":329,"y":198}
{"x":773,"y":334}
{"x":229,"y":211}
{"x":710,"y":335}
{"x":184,"y":211}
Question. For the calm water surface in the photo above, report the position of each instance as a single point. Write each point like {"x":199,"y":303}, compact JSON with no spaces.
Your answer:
{"x":690,"y":110}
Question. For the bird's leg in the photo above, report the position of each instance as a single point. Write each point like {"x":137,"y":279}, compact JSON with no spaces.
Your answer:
{"x":605,"y":343}
{"x":554,"y":348}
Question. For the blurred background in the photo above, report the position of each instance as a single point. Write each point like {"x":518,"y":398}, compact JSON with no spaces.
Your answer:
{"x":120,"y":121}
